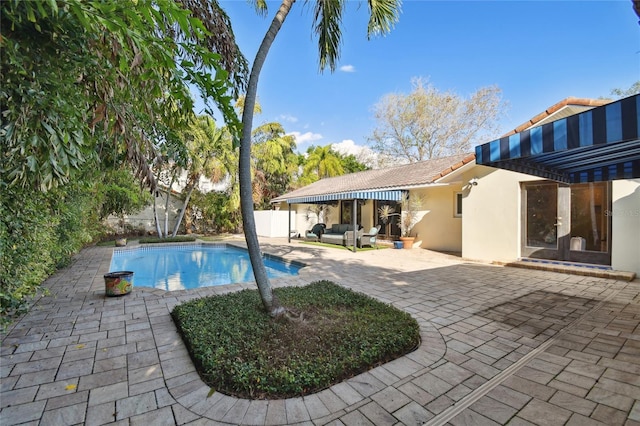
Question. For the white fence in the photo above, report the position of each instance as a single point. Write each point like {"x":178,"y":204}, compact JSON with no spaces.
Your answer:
{"x":274,"y":223}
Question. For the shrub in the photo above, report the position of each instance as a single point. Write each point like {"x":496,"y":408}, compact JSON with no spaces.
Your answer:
{"x":239,"y":350}
{"x":38,"y":233}
{"x":179,"y":239}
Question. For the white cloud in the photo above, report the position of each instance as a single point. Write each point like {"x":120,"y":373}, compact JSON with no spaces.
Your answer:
{"x":302,"y":138}
{"x":347,"y":147}
{"x":348,"y":68}
{"x":288,"y":118}
{"x":363,"y":154}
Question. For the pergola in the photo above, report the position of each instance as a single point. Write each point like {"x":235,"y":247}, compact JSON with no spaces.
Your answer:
{"x":354,"y":196}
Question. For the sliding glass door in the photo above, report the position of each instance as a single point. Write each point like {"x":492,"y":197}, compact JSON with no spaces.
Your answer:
{"x":566,"y":222}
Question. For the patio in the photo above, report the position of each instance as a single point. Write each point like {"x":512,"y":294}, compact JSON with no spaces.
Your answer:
{"x":498,"y":345}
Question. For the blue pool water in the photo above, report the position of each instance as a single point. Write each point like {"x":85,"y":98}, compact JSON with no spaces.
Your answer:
{"x":193,"y":266}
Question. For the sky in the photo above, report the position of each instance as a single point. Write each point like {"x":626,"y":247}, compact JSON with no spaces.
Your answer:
{"x":537,"y":52}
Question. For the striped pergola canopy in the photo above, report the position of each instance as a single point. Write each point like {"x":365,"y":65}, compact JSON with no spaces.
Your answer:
{"x":598,"y":145}
{"x":351,"y":195}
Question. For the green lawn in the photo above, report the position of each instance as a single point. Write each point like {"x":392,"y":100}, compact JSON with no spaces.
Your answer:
{"x":336,"y":246}
{"x":336,"y":333}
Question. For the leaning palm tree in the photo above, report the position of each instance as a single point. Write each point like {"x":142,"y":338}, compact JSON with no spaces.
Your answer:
{"x":326,"y":20}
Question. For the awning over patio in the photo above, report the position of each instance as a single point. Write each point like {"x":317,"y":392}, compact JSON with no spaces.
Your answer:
{"x":394,"y":195}
{"x":598,"y":145}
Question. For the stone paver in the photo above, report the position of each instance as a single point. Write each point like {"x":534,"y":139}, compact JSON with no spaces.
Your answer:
{"x":499,"y":345}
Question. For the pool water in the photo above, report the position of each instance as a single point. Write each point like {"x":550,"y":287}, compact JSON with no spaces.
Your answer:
{"x":193,"y":266}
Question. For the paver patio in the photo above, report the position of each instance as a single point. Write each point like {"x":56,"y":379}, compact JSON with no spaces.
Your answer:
{"x":499,"y":345}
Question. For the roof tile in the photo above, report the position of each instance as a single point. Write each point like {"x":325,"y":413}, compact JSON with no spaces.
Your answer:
{"x":399,"y":177}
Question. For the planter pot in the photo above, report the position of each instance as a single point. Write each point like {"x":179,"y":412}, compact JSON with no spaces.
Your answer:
{"x":121,"y":242}
{"x":118,"y":283}
{"x":407,"y":242}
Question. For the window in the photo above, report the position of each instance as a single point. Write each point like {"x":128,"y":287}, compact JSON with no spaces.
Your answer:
{"x":458,"y":204}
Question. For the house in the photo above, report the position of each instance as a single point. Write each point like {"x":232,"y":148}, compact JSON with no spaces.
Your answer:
{"x":563,"y":186}
{"x":566,"y":187}
{"x":439,"y":225}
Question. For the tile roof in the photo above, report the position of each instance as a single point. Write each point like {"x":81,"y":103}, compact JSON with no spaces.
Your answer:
{"x":399,"y":177}
{"x":572,"y":106}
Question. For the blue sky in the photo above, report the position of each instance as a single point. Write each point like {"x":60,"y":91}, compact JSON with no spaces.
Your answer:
{"x":537,"y":52}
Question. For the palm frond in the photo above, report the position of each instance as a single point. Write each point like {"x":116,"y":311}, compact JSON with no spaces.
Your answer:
{"x":384,"y":15}
{"x":327,"y":21}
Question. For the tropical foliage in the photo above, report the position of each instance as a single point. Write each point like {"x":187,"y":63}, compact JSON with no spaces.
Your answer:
{"x":39,"y":232}
{"x":89,"y":88}
{"x":76,"y":81}
{"x":274,"y":161}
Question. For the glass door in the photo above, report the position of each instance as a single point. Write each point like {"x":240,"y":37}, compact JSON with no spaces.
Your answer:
{"x":565,"y":222}
{"x":590,"y":225}
{"x":543,"y":226}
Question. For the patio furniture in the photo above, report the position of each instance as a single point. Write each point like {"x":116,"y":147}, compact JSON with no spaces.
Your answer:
{"x":336,"y":234}
{"x":348,"y":237}
{"x":370,"y":238}
{"x":315,"y":232}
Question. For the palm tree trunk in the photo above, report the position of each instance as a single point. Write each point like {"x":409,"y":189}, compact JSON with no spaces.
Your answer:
{"x":184,"y":208}
{"x":155,"y":213}
{"x":270,"y":302}
{"x":166,"y":205}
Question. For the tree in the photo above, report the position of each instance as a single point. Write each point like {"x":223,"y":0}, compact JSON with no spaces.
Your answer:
{"x":327,"y":20}
{"x":324,"y":162}
{"x":427,"y":123}
{"x":275,"y":162}
{"x":81,"y":78}
{"x":203,"y":142}
{"x":122,"y":196}
{"x":634,"y":89}
{"x":351,"y":164}
{"x":84,"y":82}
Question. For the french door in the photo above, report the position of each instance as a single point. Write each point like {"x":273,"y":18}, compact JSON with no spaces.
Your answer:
{"x":566,"y":222}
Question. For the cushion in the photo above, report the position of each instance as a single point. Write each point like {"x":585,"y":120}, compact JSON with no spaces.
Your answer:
{"x":318,"y":229}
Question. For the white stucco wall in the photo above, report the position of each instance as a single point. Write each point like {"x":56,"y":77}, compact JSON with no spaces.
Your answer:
{"x":625,"y":224}
{"x":438,"y":228}
{"x":491,"y":220}
{"x":491,"y":214}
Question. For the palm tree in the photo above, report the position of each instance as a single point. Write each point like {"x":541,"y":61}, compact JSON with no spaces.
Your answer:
{"x":327,"y":19}
{"x":203,"y":143}
{"x":275,"y":162}
{"x":324,"y":161}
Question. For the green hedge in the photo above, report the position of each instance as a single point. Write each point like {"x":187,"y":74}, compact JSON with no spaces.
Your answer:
{"x":239,"y":350}
{"x":40,"y":232}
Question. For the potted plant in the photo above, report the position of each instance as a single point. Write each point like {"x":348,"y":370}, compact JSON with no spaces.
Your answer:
{"x":408,"y":217}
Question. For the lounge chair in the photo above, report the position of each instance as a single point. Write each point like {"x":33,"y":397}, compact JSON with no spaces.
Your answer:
{"x":315,"y":233}
{"x":370,"y":238}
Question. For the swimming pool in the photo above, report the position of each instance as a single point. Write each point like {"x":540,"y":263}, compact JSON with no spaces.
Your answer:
{"x":192,"y":266}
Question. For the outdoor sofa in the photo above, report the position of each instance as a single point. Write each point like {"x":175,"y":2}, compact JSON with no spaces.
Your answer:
{"x":337,"y":234}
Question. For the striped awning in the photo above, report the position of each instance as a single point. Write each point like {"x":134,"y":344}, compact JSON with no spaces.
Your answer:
{"x":391,"y":195}
{"x":598,"y":145}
